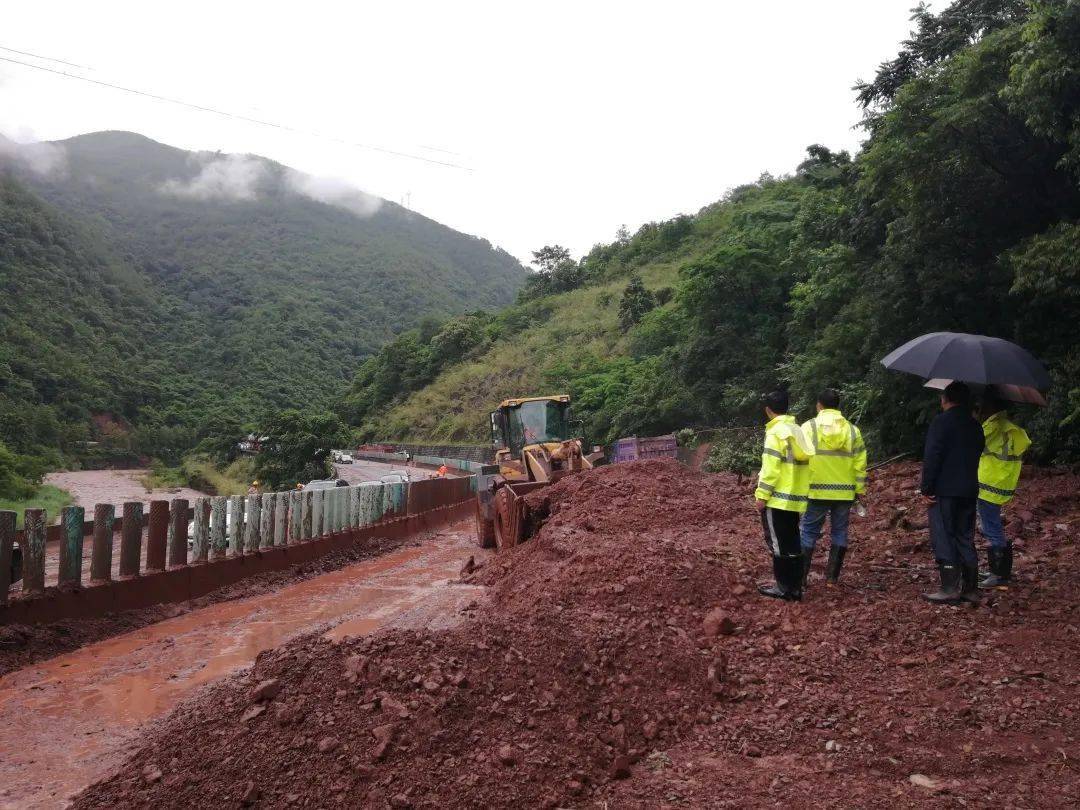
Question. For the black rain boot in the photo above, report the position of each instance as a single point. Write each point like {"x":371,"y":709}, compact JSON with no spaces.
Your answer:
{"x":807,"y":558}
{"x":993,"y":562}
{"x":779,"y":589}
{"x":836,"y":562}
{"x":793,"y":577}
{"x":788,"y":574}
{"x":1000,"y":568}
{"x":969,"y":587}
{"x":949,"y":592}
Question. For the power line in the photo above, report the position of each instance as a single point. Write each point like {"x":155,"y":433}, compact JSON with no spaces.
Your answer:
{"x":46,"y":58}
{"x":236,"y":116}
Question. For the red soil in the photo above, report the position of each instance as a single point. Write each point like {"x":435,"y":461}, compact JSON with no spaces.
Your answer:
{"x":623,"y":659}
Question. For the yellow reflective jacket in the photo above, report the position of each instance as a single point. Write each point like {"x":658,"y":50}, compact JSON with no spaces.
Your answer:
{"x":999,"y":466}
{"x":784,"y":480}
{"x":838,"y":467}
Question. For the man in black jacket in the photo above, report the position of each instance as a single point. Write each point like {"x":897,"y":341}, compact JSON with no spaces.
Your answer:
{"x":950,"y":482}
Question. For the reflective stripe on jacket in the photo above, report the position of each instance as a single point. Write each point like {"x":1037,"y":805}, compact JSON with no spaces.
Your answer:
{"x":838,"y":467}
{"x":784,"y":480}
{"x":999,"y":465}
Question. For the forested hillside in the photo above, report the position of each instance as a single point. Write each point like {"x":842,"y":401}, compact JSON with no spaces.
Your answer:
{"x":154,"y":297}
{"x":960,"y":213}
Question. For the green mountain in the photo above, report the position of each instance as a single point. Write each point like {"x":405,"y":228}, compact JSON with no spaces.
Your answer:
{"x":961,"y":213}
{"x":152,"y":294}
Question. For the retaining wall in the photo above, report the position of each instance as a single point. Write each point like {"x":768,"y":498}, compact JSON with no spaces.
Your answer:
{"x":232,"y":538}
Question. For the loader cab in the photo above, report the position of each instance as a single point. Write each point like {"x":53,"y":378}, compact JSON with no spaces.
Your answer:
{"x":519,"y":423}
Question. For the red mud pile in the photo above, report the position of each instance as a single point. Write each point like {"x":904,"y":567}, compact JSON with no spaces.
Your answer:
{"x":623,"y":657}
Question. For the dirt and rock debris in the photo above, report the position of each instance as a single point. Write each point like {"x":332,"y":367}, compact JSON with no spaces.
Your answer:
{"x":623,"y":659}
{"x":23,"y":645}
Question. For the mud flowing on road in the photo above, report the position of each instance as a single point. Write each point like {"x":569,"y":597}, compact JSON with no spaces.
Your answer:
{"x":68,"y":721}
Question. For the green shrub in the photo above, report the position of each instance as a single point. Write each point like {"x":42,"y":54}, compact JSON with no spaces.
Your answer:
{"x":737,"y":451}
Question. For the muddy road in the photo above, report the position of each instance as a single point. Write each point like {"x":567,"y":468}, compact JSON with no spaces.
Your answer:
{"x":66,"y":722}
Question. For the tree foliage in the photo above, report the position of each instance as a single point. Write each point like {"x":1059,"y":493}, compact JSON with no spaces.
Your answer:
{"x":636,"y":301}
{"x":297,"y":448}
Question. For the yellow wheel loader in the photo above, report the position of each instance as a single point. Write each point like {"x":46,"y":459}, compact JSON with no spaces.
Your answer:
{"x":536,"y":443}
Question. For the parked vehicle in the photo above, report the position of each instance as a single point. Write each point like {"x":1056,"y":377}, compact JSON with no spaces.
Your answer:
{"x":634,"y":448}
{"x":339,"y":457}
{"x":329,"y":483}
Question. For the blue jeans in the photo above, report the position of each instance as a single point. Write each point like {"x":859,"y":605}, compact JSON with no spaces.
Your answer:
{"x":993,"y":529}
{"x":838,"y":513}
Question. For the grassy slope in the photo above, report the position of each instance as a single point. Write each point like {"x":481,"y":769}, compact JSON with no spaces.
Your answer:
{"x":51,"y":499}
{"x":579,"y":329}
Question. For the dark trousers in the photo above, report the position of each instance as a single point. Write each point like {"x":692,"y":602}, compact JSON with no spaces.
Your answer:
{"x":782,"y":532}
{"x":952,"y":531}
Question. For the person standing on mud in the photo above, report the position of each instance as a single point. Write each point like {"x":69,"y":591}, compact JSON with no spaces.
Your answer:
{"x":999,"y":473}
{"x":782,"y":493}
{"x":950,"y":483}
{"x":837,"y":479}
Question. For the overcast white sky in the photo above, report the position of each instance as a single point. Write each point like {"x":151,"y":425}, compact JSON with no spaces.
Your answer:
{"x":575,"y":117}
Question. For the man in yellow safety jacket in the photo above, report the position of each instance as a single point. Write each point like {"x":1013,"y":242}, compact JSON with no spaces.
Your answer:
{"x":783,"y":490}
{"x":999,"y":472}
{"x":837,"y":479}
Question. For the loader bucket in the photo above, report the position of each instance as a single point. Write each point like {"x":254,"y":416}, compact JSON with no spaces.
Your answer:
{"x":511,"y":516}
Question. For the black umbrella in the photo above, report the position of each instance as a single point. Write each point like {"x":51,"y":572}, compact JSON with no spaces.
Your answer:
{"x":968,"y":358}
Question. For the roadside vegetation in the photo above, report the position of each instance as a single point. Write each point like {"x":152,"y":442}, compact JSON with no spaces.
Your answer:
{"x":202,"y":472}
{"x":51,"y":499}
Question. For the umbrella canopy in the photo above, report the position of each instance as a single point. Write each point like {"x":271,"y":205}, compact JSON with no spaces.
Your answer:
{"x":1009,"y":393}
{"x":969,"y":358}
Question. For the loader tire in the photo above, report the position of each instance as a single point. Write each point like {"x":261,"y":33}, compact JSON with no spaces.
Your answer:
{"x":485,"y":529}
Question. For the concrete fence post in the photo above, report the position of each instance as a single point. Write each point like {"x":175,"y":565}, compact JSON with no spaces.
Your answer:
{"x":200,"y":536}
{"x":306,"y":514}
{"x":281,"y":517}
{"x":317,"y":513}
{"x":131,"y":539}
{"x":266,"y":520}
{"x":354,"y":507}
{"x":7,"y":546}
{"x":218,"y":540}
{"x":34,"y":551}
{"x":101,"y":549}
{"x":296,"y":516}
{"x":251,"y":524}
{"x":178,"y":523}
{"x":71,"y":545}
{"x":236,"y":525}
{"x":157,"y":535}
{"x":335,"y":511}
